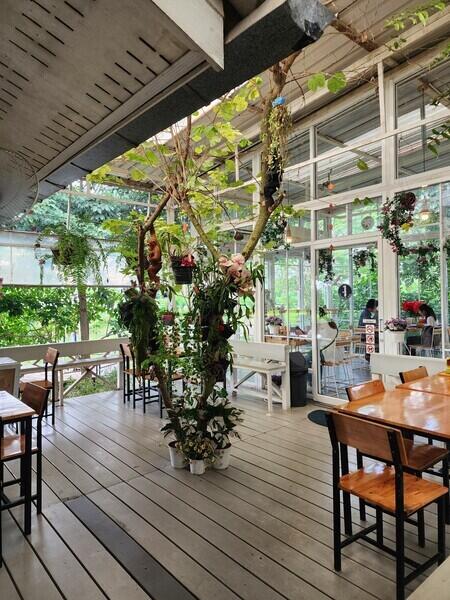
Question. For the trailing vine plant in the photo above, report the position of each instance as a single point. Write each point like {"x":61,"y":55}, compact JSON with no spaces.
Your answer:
{"x":397,"y":216}
{"x":326,"y":264}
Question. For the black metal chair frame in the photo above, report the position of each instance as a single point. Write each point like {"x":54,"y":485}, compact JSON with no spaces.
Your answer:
{"x":24,"y":480}
{"x":340,"y":465}
{"x":145,"y":387}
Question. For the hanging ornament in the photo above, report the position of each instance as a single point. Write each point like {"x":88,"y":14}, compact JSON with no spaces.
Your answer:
{"x":238,"y":236}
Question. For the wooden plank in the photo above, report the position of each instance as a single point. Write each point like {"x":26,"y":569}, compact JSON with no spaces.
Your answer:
{"x":271,"y":536}
{"x":225,"y":544}
{"x":62,"y":565}
{"x":188,"y":571}
{"x":118,"y":467}
{"x":86,"y":462}
{"x":27,"y":571}
{"x":151,"y":576}
{"x":7,"y":586}
{"x":116,"y":583}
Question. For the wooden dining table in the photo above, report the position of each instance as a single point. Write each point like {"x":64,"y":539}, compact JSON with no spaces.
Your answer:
{"x":13,"y":410}
{"x":433,"y":384}
{"x":416,"y":411}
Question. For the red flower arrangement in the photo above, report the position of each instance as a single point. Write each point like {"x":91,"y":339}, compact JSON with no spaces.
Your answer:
{"x":412,"y":306}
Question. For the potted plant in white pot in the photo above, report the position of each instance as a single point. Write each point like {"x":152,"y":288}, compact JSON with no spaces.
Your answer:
{"x":223,"y":420}
{"x":175,"y":427}
{"x":274,"y":324}
{"x":198,"y":448}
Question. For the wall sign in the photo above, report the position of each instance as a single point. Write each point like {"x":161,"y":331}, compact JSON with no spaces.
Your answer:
{"x":345,"y":291}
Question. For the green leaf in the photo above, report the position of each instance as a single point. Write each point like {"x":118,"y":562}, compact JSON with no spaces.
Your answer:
{"x":316,"y":81}
{"x":337,"y":82}
{"x":362,"y":165}
{"x":137,"y":174}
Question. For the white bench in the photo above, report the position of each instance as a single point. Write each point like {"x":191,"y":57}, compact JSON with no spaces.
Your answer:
{"x":263,"y":359}
{"x":73,"y":355}
{"x":388,"y":366}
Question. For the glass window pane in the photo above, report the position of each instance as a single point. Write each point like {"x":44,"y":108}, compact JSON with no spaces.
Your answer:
{"x":365,"y":215}
{"x":298,"y":148}
{"x":332,"y":222}
{"x":416,"y":100}
{"x":342,"y":173}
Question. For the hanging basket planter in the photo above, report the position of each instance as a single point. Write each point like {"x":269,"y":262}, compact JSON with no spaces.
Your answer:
{"x":168,"y":318}
{"x":182,"y":272}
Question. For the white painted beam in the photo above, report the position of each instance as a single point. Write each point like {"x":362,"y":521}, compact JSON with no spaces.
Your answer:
{"x":200,"y":21}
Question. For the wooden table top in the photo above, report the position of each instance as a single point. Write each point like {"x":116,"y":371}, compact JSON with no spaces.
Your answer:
{"x":433,"y":384}
{"x":408,"y":409}
{"x":13,"y":409}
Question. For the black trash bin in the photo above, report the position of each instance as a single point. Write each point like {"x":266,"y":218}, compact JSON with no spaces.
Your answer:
{"x":298,"y":367}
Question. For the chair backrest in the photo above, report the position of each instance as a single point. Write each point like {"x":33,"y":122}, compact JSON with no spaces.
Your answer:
{"x":126,"y":350}
{"x":364,"y":390}
{"x":35,"y":397}
{"x":51,"y":356}
{"x":367,"y":437}
{"x":413,"y":374}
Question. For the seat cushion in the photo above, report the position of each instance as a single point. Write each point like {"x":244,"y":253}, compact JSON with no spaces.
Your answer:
{"x":376,"y":484}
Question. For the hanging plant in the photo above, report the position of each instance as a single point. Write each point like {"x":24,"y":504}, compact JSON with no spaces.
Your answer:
{"x":364,"y":257}
{"x":274,"y":135}
{"x":425,"y":257}
{"x":397,"y":216}
{"x":446,"y":248}
{"x":326,"y":263}
{"x":273,"y":236}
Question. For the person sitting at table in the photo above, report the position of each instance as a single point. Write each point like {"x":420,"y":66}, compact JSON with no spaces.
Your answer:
{"x":369,"y":312}
{"x":298,"y":331}
{"x":427,"y":313}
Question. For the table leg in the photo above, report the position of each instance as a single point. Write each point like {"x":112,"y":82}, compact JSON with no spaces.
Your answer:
{"x":61,"y":388}
{"x":27,"y":476}
{"x":269,"y":393}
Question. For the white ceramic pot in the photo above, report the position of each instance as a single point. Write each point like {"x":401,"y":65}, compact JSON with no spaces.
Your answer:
{"x":197,"y":467}
{"x":274,"y":329}
{"x":396,"y":336}
{"x":177,"y":460}
{"x":222,"y":458}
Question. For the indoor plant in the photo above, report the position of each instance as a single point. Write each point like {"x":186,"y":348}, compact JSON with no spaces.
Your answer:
{"x":223,"y":419}
{"x":274,"y":324}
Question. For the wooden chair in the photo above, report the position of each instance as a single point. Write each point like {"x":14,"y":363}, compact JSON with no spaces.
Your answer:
{"x":13,"y":446}
{"x":36,"y":397}
{"x":413,"y":374}
{"x":146,"y":384}
{"x":389,"y":488}
{"x":421,"y":457}
{"x":49,"y":381}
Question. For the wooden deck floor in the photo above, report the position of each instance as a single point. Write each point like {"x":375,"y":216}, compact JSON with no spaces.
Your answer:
{"x":259,"y":531}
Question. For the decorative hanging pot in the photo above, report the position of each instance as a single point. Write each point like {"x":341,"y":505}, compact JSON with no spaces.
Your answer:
{"x":181,"y":273}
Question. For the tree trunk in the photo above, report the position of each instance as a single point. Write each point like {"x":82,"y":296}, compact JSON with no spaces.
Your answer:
{"x":84,"y":316}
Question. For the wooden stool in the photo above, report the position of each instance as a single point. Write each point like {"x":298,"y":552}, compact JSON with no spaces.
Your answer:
{"x":389,"y":489}
{"x":50,"y":364}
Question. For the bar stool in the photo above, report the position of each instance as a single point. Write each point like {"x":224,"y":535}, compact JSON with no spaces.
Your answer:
{"x":50,"y":364}
{"x":35,"y":397}
{"x":386,"y":487}
{"x":20,"y":446}
{"x":145,"y":388}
